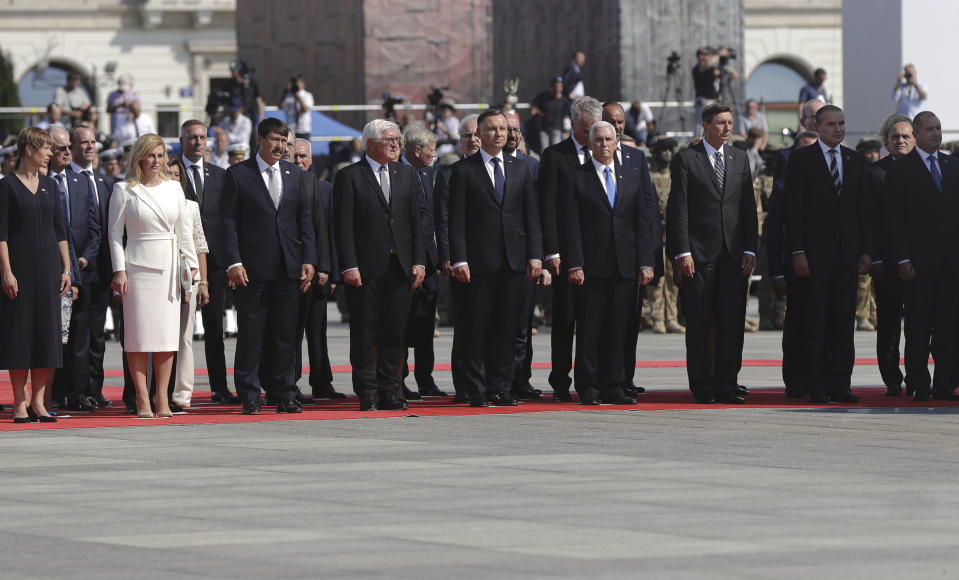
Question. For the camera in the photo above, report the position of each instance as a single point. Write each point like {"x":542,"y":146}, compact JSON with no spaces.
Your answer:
{"x":389,"y":105}
{"x":217,"y":102}
{"x":726,"y":55}
{"x":907,"y":76}
{"x":672,"y":62}
{"x":435,"y":96}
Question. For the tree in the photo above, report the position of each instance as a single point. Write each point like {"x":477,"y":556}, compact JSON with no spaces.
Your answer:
{"x":9,"y":94}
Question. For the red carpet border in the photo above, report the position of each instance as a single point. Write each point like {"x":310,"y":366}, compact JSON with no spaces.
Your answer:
{"x":205,"y":413}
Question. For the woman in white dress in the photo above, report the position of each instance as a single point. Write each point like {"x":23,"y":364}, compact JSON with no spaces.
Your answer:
{"x":159,"y":241}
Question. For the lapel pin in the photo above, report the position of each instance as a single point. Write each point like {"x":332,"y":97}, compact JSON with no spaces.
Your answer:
{"x":287,"y":171}
{"x":74,"y":180}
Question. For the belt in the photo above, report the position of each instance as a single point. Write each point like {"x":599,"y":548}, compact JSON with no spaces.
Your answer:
{"x":174,"y":255}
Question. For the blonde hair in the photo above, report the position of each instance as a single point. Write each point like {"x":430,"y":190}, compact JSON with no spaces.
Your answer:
{"x":143,"y":147}
{"x":34,"y":137}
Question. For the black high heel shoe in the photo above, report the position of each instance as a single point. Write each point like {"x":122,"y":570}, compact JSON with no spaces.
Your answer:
{"x":47,"y":419}
{"x":22,"y":420}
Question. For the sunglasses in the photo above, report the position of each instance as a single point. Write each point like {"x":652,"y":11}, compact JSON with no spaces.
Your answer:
{"x":61,"y":148}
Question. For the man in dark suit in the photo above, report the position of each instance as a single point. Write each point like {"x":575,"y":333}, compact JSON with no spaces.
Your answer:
{"x":205,"y":181}
{"x":376,"y":226}
{"x":523,"y":354}
{"x":311,"y":315}
{"x":468,"y":145}
{"x":495,"y":238}
{"x":829,"y":231}
{"x":419,"y":153}
{"x":83,"y":146}
{"x":711,"y":236}
{"x":556,"y":163}
{"x":72,"y":382}
{"x":921,"y":197}
{"x":635,"y":159}
{"x":897,"y":136}
{"x":780,"y":261}
{"x":608,"y":252}
{"x":270,"y":248}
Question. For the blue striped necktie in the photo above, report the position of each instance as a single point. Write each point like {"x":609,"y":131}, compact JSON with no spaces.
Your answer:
{"x":834,"y":170}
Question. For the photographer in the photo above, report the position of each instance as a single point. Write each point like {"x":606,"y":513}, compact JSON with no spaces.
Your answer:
{"x":909,"y":93}
{"x":242,"y":86}
{"x":711,"y":76}
{"x":297,"y":103}
{"x":447,"y":128}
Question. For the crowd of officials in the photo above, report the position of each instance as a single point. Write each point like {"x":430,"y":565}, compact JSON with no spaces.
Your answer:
{"x":608,"y":228}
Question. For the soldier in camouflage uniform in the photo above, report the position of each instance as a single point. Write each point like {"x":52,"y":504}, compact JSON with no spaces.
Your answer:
{"x":663,"y":295}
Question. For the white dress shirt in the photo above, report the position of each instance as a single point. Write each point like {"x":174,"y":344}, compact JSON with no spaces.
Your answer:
{"x":187,"y":164}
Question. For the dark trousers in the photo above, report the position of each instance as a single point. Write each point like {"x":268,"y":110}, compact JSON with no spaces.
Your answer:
{"x":457,"y":354}
{"x":378,"y":313}
{"x":829,"y":326}
{"x":714,"y":300}
{"x":266,"y":317}
{"x":890,"y":294}
{"x":523,"y":342}
{"x":101,"y":297}
{"x":419,"y":330}
{"x":635,"y":311}
{"x":212,"y":315}
{"x":562,"y":332}
{"x":73,"y":380}
{"x":314,"y":327}
{"x":487,"y":327}
{"x":602,"y":332}
{"x":793,"y":370}
{"x":931,"y":328}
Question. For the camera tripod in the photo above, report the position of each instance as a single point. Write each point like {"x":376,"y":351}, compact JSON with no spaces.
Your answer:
{"x":673,"y":83}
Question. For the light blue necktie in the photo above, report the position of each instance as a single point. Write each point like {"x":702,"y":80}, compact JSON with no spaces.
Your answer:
{"x":610,"y":187}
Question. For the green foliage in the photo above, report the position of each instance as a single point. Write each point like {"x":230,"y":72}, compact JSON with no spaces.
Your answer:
{"x":9,"y":94}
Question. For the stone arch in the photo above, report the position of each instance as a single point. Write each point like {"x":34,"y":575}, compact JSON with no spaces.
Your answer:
{"x":50,"y":73}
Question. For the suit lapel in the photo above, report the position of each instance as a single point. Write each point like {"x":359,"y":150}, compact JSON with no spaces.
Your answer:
{"x":257,"y":178}
{"x":509,"y":177}
{"x":367,"y":170}
{"x":288,"y":185}
{"x":480,"y":168}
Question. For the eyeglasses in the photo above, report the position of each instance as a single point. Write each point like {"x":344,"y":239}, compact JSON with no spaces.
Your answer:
{"x":390,"y":140}
{"x":469,"y":136}
{"x":61,"y":148}
{"x":512,"y":129}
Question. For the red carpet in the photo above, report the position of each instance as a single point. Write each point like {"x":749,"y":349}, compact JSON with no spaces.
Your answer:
{"x":204,"y":413}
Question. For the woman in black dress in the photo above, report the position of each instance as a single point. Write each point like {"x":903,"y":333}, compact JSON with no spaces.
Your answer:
{"x":35,"y":266}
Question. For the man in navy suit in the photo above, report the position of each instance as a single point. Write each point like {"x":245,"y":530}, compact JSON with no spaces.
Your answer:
{"x":419,"y":153}
{"x":379,"y":245}
{"x":921,"y":197}
{"x":83,"y":145}
{"x":633,"y":158}
{"x":73,"y":380}
{"x":608,"y":253}
{"x":829,"y":232}
{"x":312,"y":321}
{"x":270,"y":248}
{"x":204,"y":183}
{"x":495,"y":237}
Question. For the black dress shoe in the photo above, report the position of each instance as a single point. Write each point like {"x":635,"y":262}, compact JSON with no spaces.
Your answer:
{"x":47,"y":419}
{"x":795,"y":393}
{"x":431,"y":391}
{"x":590,"y":399}
{"x":502,"y":400}
{"x":894,"y":391}
{"x":818,"y":399}
{"x":742,"y":390}
{"x":921,"y":395}
{"x":617,"y":399}
{"x":304,"y":399}
{"x":369,"y":401}
{"x":525,"y":392}
{"x":130,"y":410}
{"x":226,"y":398}
{"x":633,"y":390}
{"x":251,"y":408}
{"x":410,"y":395}
{"x":846,"y":397}
{"x":461,"y":398}
{"x":391,"y":403}
{"x":102,"y":401}
{"x":478,"y":403}
{"x":562,"y":396}
{"x":705,"y":399}
{"x":945,"y":396}
{"x":80,"y":404}
{"x":327,"y":392}
{"x":288,"y":407}
{"x":174,"y":408}
{"x":730,"y":400}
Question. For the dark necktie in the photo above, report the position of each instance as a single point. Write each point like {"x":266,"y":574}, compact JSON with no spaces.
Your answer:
{"x":934,"y":169}
{"x":834,"y":170}
{"x":64,"y":203}
{"x":720,"y":168}
{"x":586,"y":155}
{"x":93,"y":188}
{"x":197,"y":183}
{"x":499,"y":180}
